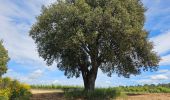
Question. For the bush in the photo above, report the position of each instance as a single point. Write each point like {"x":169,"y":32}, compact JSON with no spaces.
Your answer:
{"x":13,"y":90}
{"x":97,"y":94}
{"x":4,"y":94}
{"x":145,"y":89}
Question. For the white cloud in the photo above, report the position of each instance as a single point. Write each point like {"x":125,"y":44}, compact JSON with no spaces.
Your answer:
{"x":19,"y":45}
{"x":108,"y":82}
{"x":157,"y":15}
{"x":16,"y":19}
{"x":163,"y":71}
{"x":155,"y":79}
{"x":157,"y":20}
{"x":159,"y":77}
{"x":165,"y":60}
{"x":39,"y":77}
{"x":29,"y":78}
{"x":36,"y":74}
{"x":162,"y":47}
{"x":146,"y":81}
{"x":55,"y":82}
{"x":162,"y":43}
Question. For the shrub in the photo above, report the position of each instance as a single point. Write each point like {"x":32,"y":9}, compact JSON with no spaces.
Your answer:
{"x":97,"y":94}
{"x":4,"y":94}
{"x":13,"y":90}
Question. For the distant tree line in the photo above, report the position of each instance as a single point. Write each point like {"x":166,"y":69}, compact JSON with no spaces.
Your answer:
{"x":146,"y":88}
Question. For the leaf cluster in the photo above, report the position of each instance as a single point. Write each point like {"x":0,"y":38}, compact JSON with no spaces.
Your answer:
{"x":3,"y":59}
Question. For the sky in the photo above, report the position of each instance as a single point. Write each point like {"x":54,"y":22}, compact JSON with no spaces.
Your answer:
{"x":17,"y":17}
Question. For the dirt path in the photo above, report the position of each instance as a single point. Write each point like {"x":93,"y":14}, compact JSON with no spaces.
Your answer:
{"x":47,"y":94}
{"x":153,"y":96}
{"x":58,"y":95}
{"x":39,"y":91}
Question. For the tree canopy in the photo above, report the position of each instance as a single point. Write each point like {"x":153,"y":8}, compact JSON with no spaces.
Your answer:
{"x":85,"y":35}
{"x":3,"y":59}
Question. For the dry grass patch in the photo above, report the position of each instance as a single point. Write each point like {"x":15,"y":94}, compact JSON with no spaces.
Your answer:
{"x":38,"y":91}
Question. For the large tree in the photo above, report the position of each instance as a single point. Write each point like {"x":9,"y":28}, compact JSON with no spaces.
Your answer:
{"x":3,"y":59}
{"x":83,"y":36}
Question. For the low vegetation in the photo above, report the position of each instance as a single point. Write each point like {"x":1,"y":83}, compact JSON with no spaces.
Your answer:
{"x":97,"y":94}
{"x":145,"y":89}
{"x":76,"y":92}
{"x":64,"y":87}
{"x":13,"y":90}
{"x":160,"y":88}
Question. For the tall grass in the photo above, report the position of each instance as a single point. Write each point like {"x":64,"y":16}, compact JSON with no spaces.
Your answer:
{"x":128,"y":89}
{"x":77,"y":92}
{"x":97,"y":94}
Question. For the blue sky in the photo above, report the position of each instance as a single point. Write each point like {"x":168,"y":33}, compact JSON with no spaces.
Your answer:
{"x":17,"y":16}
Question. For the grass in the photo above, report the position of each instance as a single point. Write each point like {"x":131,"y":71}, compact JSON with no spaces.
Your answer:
{"x":76,"y":92}
{"x":55,"y":87}
{"x":97,"y":94}
{"x":145,"y":89}
{"x":127,"y":89}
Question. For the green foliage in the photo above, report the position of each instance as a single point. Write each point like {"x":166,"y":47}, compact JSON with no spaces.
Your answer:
{"x":13,"y":90}
{"x":4,"y":94}
{"x":145,"y":89}
{"x":97,"y":94}
{"x":77,"y":92}
{"x":160,"y":88}
{"x":3,"y":59}
{"x":105,"y":34}
{"x":3,"y":98}
{"x":85,"y":35}
{"x":73,"y":92}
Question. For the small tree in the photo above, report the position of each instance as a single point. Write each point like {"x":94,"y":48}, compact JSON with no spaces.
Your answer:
{"x":85,"y":35}
{"x":3,"y":59}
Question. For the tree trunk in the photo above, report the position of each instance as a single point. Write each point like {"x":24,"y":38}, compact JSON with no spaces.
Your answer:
{"x":89,"y":83}
{"x":89,"y":79}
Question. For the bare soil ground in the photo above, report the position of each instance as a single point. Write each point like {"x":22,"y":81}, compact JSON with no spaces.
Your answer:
{"x":58,"y":95}
{"x":151,"y":96}
{"x":47,"y":94}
